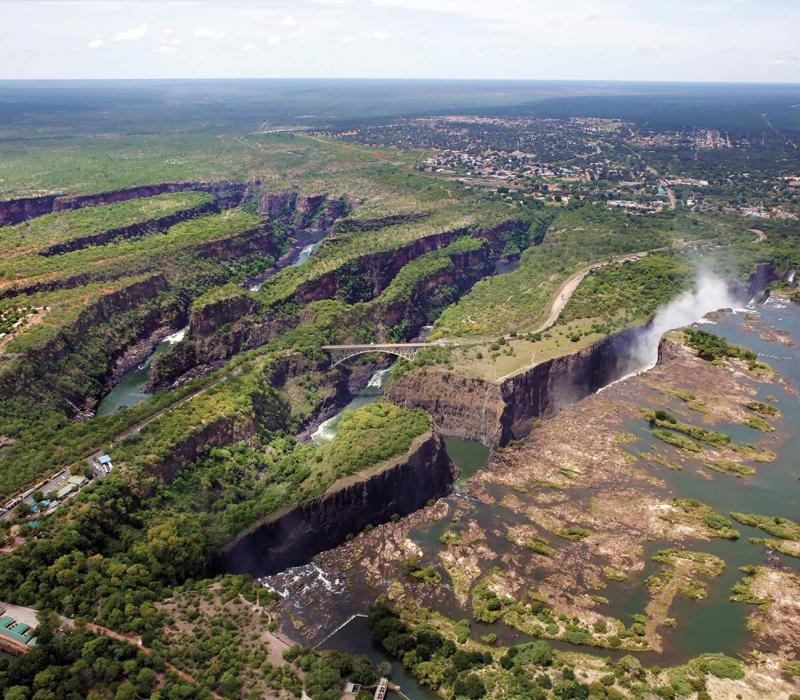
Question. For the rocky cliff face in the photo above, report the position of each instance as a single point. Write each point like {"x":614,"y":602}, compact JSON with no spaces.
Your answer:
{"x":144,"y":228}
{"x":257,"y":240}
{"x":277,"y":207}
{"x":101,"y":311}
{"x":761,"y":278}
{"x":460,"y":407}
{"x":493,"y":413}
{"x":361,"y":225}
{"x":226,"y":331}
{"x":225,"y":430}
{"x":300,"y":212}
{"x":546,"y":387}
{"x":377,"y":270}
{"x":13,"y":211}
{"x":209,"y":317}
{"x":431,"y":294}
{"x":294,"y":537}
{"x":102,"y":316}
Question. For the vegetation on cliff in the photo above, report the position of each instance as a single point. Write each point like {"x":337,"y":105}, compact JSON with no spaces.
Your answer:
{"x":44,"y":231}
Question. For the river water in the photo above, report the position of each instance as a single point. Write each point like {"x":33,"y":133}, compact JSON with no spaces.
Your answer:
{"x":711,"y":624}
{"x":130,"y":391}
{"x":715,"y":624}
{"x":372,"y":392}
{"x":303,"y":249}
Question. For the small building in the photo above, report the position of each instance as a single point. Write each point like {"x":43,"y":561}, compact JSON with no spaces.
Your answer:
{"x":15,"y":637}
{"x":78,"y":479}
{"x":65,"y":491}
{"x":104,"y":464}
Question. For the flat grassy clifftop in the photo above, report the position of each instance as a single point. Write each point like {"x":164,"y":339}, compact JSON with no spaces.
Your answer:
{"x":37,"y":234}
{"x":518,"y":301}
{"x":127,"y":253}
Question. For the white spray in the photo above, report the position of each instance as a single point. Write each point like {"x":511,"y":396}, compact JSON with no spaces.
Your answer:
{"x":710,"y":293}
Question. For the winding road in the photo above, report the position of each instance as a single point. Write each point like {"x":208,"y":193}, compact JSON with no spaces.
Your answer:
{"x":564,"y":293}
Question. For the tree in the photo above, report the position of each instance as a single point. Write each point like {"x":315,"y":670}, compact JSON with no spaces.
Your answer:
{"x":126,"y":691}
{"x":49,"y":622}
{"x":145,"y":680}
{"x":229,"y":685}
{"x":470,"y":686}
{"x":174,"y":549}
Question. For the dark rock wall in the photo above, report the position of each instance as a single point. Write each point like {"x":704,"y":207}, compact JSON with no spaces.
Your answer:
{"x":143,"y":228}
{"x":312,"y":527}
{"x":495,"y":413}
{"x":13,"y":211}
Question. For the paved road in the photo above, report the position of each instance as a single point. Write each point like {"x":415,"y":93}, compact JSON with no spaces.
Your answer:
{"x":53,"y":483}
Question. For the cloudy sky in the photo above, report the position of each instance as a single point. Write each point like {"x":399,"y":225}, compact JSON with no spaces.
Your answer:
{"x":686,"y":40}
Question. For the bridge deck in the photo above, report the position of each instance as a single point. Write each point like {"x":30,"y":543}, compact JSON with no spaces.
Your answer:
{"x":377,"y":346}
{"x":340,"y":353}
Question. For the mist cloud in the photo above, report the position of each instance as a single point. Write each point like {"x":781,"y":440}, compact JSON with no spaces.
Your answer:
{"x":710,"y":293}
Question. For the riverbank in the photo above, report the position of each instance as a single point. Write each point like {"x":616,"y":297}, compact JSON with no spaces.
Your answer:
{"x":580,"y":518}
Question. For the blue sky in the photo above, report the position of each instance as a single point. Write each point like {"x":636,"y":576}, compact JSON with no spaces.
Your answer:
{"x":681,"y":40}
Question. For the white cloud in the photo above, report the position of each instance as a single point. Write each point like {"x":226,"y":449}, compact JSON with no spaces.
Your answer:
{"x":206,"y":33}
{"x":166,"y":48}
{"x":274,"y":39}
{"x":133,"y":34}
{"x":381,"y":36}
{"x":288,"y":21}
{"x":96,"y":43}
{"x":249,"y":47}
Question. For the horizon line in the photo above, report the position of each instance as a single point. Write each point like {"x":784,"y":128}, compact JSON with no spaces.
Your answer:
{"x":616,"y":81}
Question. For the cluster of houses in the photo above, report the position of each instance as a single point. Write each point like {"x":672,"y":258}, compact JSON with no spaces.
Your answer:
{"x":57,"y":488}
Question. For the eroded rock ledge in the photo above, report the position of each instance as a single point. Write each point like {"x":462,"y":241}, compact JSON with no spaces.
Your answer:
{"x":495,"y":413}
{"x":399,"y":486}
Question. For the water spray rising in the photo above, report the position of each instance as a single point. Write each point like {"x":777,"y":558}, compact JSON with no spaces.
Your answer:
{"x":710,"y":293}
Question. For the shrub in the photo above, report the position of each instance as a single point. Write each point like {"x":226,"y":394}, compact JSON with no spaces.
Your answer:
{"x":470,"y":686}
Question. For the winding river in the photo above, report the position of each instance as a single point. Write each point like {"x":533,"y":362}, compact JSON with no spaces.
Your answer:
{"x":130,"y":391}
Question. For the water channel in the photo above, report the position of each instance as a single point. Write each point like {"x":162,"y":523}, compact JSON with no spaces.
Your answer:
{"x":305,"y":245}
{"x":372,"y":392}
{"x":130,"y":391}
{"x":708,"y":625}
{"x":713,"y":624}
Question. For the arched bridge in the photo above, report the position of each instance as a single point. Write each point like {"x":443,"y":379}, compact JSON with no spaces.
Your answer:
{"x":340,"y":353}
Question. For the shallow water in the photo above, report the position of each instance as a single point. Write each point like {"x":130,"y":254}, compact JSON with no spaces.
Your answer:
{"x":468,"y":456}
{"x":715,"y":623}
{"x":711,"y":624}
{"x":355,"y":637}
{"x":129,"y":392}
{"x":372,"y":392}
